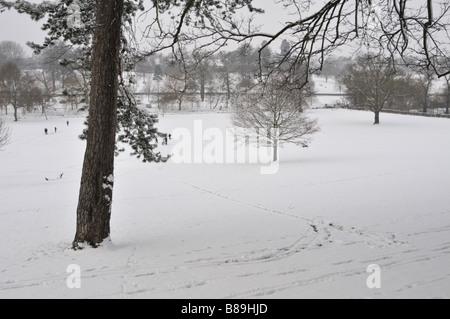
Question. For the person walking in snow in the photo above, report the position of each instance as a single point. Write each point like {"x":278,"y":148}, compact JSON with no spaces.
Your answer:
{"x":46,"y":131}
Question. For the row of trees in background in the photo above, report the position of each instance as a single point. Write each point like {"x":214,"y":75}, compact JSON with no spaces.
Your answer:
{"x":60,"y":69}
{"x":411,"y":86}
{"x":18,"y":90}
{"x":33,"y":82}
{"x":199,"y":77}
{"x":370,"y":82}
{"x":378,"y":83}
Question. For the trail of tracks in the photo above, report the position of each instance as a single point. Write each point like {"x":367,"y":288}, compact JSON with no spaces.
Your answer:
{"x":142,"y":276}
{"x":319,"y":226}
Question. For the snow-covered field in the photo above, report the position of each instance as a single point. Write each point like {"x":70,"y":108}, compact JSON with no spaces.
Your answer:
{"x":360,"y":195}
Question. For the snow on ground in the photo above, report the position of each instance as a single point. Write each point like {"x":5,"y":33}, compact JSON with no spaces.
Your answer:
{"x":360,"y":195}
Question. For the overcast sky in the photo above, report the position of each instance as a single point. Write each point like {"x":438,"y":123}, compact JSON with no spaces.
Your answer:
{"x":20,"y":28}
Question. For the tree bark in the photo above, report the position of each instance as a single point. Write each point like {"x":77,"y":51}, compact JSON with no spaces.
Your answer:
{"x":447,"y":110}
{"x":425,"y":101}
{"x":16,"y":119}
{"x":97,"y":180}
{"x":377,"y":118}
{"x":275,"y":150}
{"x":228,"y":84}
{"x":53,"y":76}
{"x":180,"y":102}
{"x":202,"y":85}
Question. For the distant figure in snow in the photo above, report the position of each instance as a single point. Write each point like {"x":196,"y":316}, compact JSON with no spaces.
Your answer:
{"x":55,"y":130}
{"x":156,"y":139}
{"x":166,"y":142}
{"x":46,"y":131}
{"x":67,"y":123}
{"x":170,"y":136}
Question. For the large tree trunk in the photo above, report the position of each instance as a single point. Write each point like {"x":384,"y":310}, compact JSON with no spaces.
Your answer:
{"x":94,"y":206}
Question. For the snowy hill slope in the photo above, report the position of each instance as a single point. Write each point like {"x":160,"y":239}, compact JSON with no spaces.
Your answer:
{"x":360,"y":195}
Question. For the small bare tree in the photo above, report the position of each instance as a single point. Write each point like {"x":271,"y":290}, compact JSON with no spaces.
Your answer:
{"x":371,"y":83}
{"x":225,"y":73}
{"x":426,"y":78}
{"x":17,"y":89}
{"x":174,"y":90}
{"x":10,"y":75}
{"x":274,"y":112}
{"x":4,"y":134}
{"x":407,"y":95}
{"x":44,"y":82}
{"x":177,"y":87}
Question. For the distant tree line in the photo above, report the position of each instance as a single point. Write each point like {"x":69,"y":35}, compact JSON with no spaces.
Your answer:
{"x":61,"y":69}
{"x":30,"y":83}
{"x":197,"y":76}
{"x":371,"y":82}
{"x":378,"y":83}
